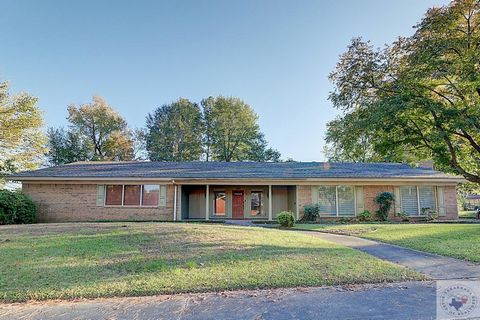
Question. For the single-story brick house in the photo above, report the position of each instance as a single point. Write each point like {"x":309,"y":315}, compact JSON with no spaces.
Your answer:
{"x":174,"y":191}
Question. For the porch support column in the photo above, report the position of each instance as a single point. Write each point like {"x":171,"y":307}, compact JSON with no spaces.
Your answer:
{"x":270,"y":209}
{"x":179,"y":212}
{"x":207,"y":202}
{"x":175,"y":203}
{"x":297,"y":211}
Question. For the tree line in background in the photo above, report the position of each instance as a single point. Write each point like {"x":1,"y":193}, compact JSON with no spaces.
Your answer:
{"x":217,"y":129}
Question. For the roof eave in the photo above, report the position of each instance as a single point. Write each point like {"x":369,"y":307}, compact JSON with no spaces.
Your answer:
{"x":452,"y":179}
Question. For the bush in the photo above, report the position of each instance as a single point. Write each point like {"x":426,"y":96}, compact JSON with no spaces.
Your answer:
{"x":429,"y":214}
{"x":403,"y":216}
{"x":285,"y":219}
{"x":311,"y":212}
{"x":16,"y":208}
{"x":365,"y":215}
{"x":384,"y":201}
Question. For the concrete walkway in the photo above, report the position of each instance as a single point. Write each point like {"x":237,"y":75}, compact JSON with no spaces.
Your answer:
{"x":434,"y":266}
{"x":411,"y":300}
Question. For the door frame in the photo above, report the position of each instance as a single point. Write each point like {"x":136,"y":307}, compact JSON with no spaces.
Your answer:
{"x":234,"y":194}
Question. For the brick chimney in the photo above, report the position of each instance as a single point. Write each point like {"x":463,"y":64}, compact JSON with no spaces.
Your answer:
{"x":426,"y":164}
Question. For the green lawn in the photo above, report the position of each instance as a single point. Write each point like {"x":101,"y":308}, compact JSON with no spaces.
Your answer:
{"x":467,"y":214}
{"x":132,"y":259}
{"x":455,"y":240}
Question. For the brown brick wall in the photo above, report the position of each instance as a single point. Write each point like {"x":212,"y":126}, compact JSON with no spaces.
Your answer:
{"x":304,"y":197}
{"x":451,"y":205}
{"x":370,"y":192}
{"x":77,"y":202}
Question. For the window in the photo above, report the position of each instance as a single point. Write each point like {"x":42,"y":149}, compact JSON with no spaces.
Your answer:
{"x":327,"y":200}
{"x":409,"y":199}
{"x":113,"y":195}
{"x":336,"y":200}
{"x":346,"y":201}
{"x":134,"y":195}
{"x":219,"y":203}
{"x":256,"y":203}
{"x":415,"y":198}
{"x":131,"y":196}
{"x":150,"y":195}
{"x":427,"y":197}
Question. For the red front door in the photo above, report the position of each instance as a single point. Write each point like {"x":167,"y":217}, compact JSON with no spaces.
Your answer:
{"x":237,"y":205}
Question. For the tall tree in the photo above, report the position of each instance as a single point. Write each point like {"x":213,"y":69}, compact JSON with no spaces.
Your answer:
{"x":96,"y":132}
{"x":174,"y":132}
{"x":207,"y":107}
{"x":233,"y":132}
{"x":22,"y":142}
{"x":66,"y":146}
{"x":421,"y":94}
{"x":105,"y":129}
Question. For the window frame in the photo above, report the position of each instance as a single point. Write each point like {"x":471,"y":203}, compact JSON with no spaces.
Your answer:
{"x":419,"y":209}
{"x":337,"y":204}
{"x":215,"y":214}
{"x":105,"y":196}
{"x":261,"y":211}
{"x":158,"y":196}
{"x":141,"y":205}
{"x":140,"y":196}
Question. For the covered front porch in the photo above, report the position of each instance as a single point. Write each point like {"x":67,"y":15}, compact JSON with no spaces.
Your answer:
{"x":236,"y":202}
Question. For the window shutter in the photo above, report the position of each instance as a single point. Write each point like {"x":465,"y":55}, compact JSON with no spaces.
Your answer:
{"x":359,"y":199}
{"x":100,"y":195}
{"x":314,"y":194}
{"x":441,"y":202}
{"x":162,"y":201}
{"x":398,"y":201}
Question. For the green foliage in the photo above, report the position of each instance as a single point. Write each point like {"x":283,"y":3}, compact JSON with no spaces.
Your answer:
{"x":22,"y":143}
{"x":174,"y":132}
{"x":403,"y":216}
{"x":66,"y":146}
{"x":429,"y":214}
{"x":286,"y":219}
{"x":232,"y":132}
{"x":16,"y":208}
{"x":385,"y":201}
{"x":96,"y":132}
{"x":106,"y":130}
{"x":365,"y":215}
{"x":417,"y":98}
{"x":311,"y":212}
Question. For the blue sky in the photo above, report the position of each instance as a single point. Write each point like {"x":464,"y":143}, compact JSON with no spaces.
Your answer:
{"x":274,"y":54}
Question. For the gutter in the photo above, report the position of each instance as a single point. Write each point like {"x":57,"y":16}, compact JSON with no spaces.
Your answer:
{"x":260,"y":180}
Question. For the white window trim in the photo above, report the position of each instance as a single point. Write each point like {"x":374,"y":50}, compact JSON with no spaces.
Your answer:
{"x":355,"y":201}
{"x":123,"y":196}
{"x":336,"y":203}
{"x":419,"y":209}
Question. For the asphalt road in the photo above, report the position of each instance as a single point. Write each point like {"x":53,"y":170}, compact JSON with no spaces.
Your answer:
{"x":409,"y":300}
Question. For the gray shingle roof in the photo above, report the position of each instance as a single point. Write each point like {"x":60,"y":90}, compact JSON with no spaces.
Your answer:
{"x":231,"y":170}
